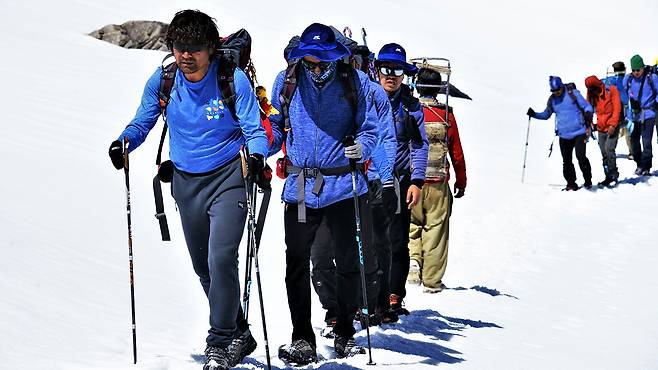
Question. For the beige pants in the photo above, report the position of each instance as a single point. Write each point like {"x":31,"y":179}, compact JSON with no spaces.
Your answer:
{"x":428,"y":232}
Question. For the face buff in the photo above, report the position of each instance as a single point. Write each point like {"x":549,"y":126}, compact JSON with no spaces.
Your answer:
{"x":322,"y":77}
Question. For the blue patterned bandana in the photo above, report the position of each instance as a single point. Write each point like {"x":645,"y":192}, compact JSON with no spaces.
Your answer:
{"x":323,"y":76}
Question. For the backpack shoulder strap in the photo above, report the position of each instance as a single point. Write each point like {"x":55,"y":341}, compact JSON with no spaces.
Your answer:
{"x":167,"y":77}
{"x":226,"y":81}
{"x":286,"y":94}
{"x":347,"y":76}
{"x":649,"y":71}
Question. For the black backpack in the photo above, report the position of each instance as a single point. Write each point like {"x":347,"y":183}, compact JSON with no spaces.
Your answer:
{"x":407,"y":99}
{"x":233,"y":51}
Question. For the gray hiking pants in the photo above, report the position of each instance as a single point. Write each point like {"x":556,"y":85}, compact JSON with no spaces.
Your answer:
{"x":608,"y":145}
{"x":213,"y":211}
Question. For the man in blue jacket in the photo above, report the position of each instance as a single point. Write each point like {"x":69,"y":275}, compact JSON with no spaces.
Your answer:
{"x":207,"y":180}
{"x":383,"y":203}
{"x":572,"y":124}
{"x":410,"y":160}
{"x":314,"y":125}
{"x":641,"y":87}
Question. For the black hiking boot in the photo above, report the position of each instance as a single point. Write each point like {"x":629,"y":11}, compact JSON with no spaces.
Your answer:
{"x":241,"y":347}
{"x":298,"y":353}
{"x":397,"y":305}
{"x":346,"y":347}
{"x":389,"y":317}
{"x":217,"y":358}
{"x":571,"y":187}
{"x":608,"y":183}
{"x":588,"y":184}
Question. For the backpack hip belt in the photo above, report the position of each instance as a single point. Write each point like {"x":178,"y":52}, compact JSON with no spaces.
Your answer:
{"x":317,"y":174}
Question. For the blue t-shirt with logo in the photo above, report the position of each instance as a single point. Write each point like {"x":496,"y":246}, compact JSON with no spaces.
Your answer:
{"x":203,"y":133}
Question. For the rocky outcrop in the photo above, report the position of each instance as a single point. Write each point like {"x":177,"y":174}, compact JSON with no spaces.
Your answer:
{"x":135,"y":35}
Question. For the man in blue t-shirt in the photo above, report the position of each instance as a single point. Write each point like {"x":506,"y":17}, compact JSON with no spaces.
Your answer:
{"x":207,"y":179}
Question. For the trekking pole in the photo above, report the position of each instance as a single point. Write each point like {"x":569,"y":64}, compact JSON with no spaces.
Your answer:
{"x":130,"y":247}
{"x":250,"y":190}
{"x":525,"y":155}
{"x":349,"y":140}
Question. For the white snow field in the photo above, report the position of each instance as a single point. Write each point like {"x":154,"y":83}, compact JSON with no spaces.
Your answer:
{"x":537,"y":278}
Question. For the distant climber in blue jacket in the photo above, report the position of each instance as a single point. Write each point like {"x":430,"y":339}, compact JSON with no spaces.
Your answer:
{"x":617,"y":80}
{"x":572,"y":124}
{"x":314,"y":124}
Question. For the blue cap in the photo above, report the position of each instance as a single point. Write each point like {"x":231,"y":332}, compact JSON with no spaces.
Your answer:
{"x":555,"y":82}
{"x":395,"y":54}
{"x":319,"y":41}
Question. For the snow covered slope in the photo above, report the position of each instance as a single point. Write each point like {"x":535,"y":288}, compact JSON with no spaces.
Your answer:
{"x":538,"y":278}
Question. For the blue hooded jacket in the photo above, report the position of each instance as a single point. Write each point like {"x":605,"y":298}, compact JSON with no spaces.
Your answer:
{"x":203,"y":135}
{"x":319,"y":120}
{"x":569,"y":121}
{"x":383,"y":156}
{"x":411,"y":155}
{"x":648,"y":97}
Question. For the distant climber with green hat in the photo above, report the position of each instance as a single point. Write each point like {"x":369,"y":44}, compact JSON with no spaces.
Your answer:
{"x":640,"y":85}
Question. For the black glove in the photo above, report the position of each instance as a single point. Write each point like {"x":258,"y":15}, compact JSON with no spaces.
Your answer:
{"x":531,"y":113}
{"x":116,"y":154}
{"x":259,"y":172}
{"x":390,"y":200}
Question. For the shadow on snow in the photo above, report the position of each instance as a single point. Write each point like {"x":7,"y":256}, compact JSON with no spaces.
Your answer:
{"x":428,"y":323}
{"x":485,"y":290}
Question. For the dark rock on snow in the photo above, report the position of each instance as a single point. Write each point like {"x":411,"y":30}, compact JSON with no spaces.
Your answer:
{"x":135,"y":35}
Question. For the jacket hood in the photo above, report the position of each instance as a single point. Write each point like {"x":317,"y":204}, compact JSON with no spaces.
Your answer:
{"x":593,"y":81}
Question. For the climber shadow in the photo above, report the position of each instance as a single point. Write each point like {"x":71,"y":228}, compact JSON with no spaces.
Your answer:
{"x":430,"y":324}
{"x":433,"y":353}
{"x":435,"y":325}
{"x":485,"y":290}
{"x":637,"y":179}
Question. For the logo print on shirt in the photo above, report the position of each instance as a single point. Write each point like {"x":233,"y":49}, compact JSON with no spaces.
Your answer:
{"x":214,"y":109}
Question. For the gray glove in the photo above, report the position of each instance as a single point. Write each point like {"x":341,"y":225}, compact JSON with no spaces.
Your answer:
{"x":354,"y":151}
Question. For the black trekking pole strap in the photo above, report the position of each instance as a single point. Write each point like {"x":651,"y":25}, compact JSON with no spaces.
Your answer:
{"x":262,"y":213}
{"x":158,"y":159}
{"x":159,"y":209}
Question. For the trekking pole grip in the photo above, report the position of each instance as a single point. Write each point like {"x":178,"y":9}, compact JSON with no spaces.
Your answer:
{"x":349,"y":141}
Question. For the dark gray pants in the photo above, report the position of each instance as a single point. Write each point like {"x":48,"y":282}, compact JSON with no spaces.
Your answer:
{"x":641,"y":142}
{"x":213,"y":211}
{"x":608,"y":146}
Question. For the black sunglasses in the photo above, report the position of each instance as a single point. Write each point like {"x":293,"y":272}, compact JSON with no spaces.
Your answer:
{"x":556,"y":90}
{"x":190,"y":48}
{"x":636,"y":70}
{"x":313,"y":65}
{"x":386,"y":71}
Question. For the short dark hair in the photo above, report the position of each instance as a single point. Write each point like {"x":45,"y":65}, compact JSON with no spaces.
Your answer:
{"x":428,"y":77}
{"x":192,"y":27}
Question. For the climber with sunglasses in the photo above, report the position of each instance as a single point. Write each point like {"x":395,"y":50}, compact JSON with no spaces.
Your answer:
{"x":410,"y":161}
